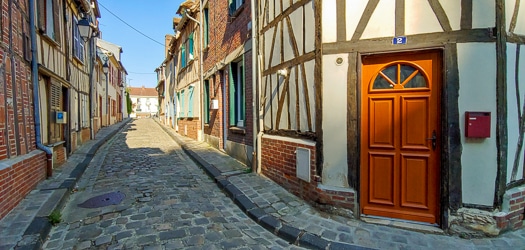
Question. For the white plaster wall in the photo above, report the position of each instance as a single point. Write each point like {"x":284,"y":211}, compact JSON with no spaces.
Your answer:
{"x":354,"y":12}
{"x":453,"y":11}
{"x":512,"y":108}
{"x":296,"y":18}
{"x":329,"y":22}
{"x":335,"y":166}
{"x":477,"y":92}
{"x":287,"y":46}
{"x":382,"y":22}
{"x":268,"y":38}
{"x":483,"y":14}
{"x":420,"y":18}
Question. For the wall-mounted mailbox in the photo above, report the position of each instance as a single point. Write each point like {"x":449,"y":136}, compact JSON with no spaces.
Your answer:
{"x":477,"y":124}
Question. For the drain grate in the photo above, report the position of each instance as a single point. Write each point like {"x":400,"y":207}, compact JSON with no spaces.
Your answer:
{"x":112,"y":198}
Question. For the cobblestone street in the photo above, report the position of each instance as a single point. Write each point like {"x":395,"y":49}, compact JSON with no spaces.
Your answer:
{"x":170,"y":202}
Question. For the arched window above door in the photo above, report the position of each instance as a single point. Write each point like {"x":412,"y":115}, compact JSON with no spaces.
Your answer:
{"x":400,"y":76}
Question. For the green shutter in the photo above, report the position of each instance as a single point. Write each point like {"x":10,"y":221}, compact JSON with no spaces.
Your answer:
{"x":232,"y":96}
{"x":243,"y":93}
{"x":190,"y":102}
{"x":206,"y":102}
{"x":181,"y":113}
{"x":190,"y":47}
{"x":183,"y":56}
{"x":206,"y":27}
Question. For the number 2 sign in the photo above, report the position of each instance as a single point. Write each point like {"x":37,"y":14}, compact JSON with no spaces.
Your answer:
{"x":399,"y":40}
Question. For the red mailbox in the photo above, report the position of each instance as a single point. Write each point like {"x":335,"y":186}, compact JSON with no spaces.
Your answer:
{"x":477,"y":124}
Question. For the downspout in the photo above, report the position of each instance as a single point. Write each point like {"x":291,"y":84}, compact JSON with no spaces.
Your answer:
{"x":36,"y":100}
{"x":201,"y":65}
{"x":257,"y":133}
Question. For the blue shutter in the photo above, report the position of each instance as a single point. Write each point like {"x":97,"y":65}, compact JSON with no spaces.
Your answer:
{"x":183,"y":56}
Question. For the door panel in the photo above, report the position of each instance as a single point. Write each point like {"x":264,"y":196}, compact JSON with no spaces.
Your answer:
{"x":400,"y":128}
{"x":382,"y":178}
{"x":383,"y":117}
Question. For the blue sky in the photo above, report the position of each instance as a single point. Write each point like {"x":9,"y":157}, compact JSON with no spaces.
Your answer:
{"x":140,"y":54}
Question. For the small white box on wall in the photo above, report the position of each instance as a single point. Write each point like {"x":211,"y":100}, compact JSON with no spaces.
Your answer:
{"x":214,"y":104}
{"x":302,"y":164}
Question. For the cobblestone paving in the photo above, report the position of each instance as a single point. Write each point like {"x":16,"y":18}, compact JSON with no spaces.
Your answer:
{"x":170,"y":203}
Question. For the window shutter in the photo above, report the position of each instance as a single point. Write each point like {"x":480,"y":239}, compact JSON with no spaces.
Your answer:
{"x":206,"y":101}
{"x":41,"y":15}
{"x":183,"y":56}
{"x":190,"y":47}
{"x":232,"y":95}
{"x":181,"y":114}
{"x":56,"y":21}
{"x":242,"y":90}
{"x":206,"y":27}
{"x":190,"y":102}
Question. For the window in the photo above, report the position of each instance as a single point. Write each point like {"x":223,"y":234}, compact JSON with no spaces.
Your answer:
{"x":206,"y":28}
{"x":399,"y":76}
{"x":190,"y":101}
{"x":236,"y":92}
{"x":78,"y":43}
{"x":206,"y":101}
{"x":48,"y":18}
{"x":234,"y":5}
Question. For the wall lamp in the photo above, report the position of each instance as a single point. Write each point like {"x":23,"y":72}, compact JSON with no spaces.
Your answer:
{"x":282,"y":72}
{"x":85,"y":29}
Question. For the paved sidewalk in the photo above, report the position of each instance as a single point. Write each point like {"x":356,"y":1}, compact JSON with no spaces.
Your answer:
{"x":27,"y":225}
{"x":296,"y":221}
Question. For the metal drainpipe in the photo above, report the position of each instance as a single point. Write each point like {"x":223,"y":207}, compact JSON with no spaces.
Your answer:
{"x":36,"y":100}
{"x":257,"y":132}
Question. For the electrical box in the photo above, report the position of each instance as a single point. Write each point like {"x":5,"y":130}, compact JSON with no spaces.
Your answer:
{"x":60,"y":117}
{"x":477,"y":124}
{"x":214,"y":104}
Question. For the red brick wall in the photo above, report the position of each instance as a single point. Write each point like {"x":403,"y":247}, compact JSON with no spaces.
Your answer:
{"x":19,"y":179}
{"x":227,"y":34}
{"x":193,"y":126}
{"x":59,"y":155}
{"x":278,"y":163}
{"x":513,"y":219}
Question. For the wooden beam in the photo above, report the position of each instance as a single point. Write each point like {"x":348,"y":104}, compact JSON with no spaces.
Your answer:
{"x":414,"y":41}
{"x":341,"y":20}
{"x":514,"y":19}
{"x":501,"y":103}
{"x":400,"y":18}
{"x":284,"y":14}
{"x":352,"y":114}
{"x":466,"y":14}
{"x":440,"y":14}
{"x":318,"y":86}
{"x":451,"y":135}
{"x":290,"y":63}
{"x":363,"y":22}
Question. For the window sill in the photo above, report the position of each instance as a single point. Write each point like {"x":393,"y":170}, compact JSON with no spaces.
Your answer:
{"x":49,"y":39}
{"x":56,"y":144}
{"x":237,"y":12}
{"x":237,"y":130}
{"x":78,"y":60}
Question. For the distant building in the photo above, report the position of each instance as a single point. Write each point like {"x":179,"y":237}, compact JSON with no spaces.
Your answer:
{"x":144,"y":102}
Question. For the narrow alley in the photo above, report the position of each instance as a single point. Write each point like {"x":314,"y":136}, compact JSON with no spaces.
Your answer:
{"x":169,"y":202}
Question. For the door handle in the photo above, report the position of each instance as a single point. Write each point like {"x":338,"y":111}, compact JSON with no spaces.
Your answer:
{"x":434,"y":140}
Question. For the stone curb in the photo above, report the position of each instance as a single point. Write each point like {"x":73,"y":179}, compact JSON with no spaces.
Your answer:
{"x":40,"y":226}
{"x":284,"y":231}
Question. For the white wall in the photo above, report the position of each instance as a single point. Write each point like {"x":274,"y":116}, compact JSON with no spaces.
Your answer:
{"x":483,"y":14}
{"x":477,"y":92}
{"x":335,"y":165}
{"x":509,"y":10}
{"x":512,"y":107}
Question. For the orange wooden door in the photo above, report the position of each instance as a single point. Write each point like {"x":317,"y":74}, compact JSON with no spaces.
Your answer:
{"x":400,"y":126}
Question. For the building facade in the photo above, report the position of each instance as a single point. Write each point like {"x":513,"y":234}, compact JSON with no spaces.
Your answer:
{"x":144,"y":102}
{"x":406,"y":110}
{"x":228,"y":86}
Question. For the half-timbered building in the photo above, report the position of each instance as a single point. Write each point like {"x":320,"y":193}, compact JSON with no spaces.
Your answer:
{"x":405,"y":109}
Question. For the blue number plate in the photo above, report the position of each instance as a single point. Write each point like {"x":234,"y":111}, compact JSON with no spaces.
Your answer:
{"x":399,"y":40}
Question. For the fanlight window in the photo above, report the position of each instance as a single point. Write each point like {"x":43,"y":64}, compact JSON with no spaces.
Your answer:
{"x":400,"y":76}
